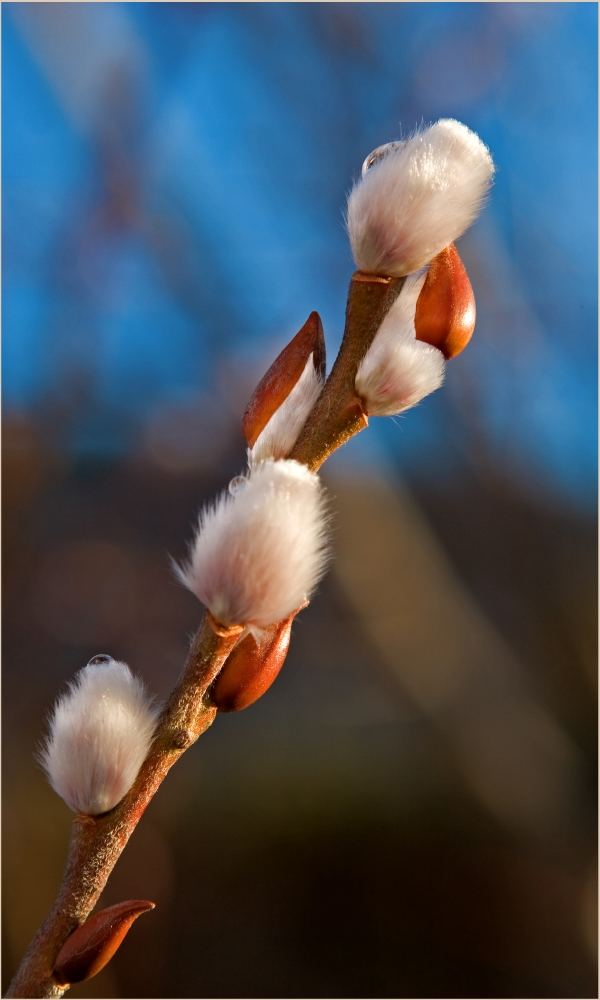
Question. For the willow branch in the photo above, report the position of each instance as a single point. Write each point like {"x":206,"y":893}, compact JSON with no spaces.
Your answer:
{"x":97,"y":842}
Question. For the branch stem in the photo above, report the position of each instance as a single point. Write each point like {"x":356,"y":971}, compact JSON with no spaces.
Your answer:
{"x":97,"y":842}
{"x":338,"y":414}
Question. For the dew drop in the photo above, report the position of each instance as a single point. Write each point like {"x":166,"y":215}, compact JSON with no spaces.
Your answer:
{"x":98,"y":659}
{"x":379,"y":154}
{"x":236,"y":484}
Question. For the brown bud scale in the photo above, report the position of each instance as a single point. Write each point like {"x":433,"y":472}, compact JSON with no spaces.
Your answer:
{"x":445,"y":314}
{"x":276,"y":385}
{"x":252,"y":667}
{"x":91,"y":946}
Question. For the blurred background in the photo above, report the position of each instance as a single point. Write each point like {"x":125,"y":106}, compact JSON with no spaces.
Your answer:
{"x":411,"y":810}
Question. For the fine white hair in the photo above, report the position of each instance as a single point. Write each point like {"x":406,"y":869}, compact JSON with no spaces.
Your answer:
{"x":398,"y":370}
{"x":259,"y":553}
{"x":417,"y":198}
{"x":280,"y":433}
{"x":99,"y":736}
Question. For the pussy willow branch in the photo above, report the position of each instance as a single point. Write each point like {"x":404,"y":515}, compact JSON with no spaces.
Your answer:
{"x":97,"y":842}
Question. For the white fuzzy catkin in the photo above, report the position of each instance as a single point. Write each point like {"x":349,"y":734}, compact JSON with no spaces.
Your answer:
{"x":418,"y":198}
{"x":260,"y":552}
{"x":280,"y":433}
{"x":398,"y":370}
{"x":100,"y":734}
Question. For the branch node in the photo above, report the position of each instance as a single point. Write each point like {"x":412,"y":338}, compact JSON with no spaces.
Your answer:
{"x":181,"y":739}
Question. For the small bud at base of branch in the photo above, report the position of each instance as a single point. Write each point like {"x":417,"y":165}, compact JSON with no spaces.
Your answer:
{"x":90,"y":947}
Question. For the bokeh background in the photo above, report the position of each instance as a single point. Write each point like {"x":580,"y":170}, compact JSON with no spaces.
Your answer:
{"x":411,"y":810}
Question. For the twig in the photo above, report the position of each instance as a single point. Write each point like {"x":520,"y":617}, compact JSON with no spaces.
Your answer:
{"x":338,"y":414}
{"x":414,"y":199}
{"x":96,"y":843}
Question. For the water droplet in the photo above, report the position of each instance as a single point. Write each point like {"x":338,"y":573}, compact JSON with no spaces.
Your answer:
{"x":236,"y":484}
{"x":379,"y":153}
{"x":98,"y":659}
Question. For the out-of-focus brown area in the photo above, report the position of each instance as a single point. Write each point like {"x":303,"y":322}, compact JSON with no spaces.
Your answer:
{"x":409,"y":811}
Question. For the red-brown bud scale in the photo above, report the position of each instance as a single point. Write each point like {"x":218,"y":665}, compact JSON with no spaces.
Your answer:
{"x":252,"y":667}
{"x":276,"y":385}
{"x":91,"y":946}
{"x":445,"y":314}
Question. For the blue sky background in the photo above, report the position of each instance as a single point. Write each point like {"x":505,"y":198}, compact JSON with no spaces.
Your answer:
{"x":174,"y":186}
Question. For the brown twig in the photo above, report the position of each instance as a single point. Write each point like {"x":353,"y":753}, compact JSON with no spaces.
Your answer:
{"x":338,"y":414}
{"x":97,"y":843}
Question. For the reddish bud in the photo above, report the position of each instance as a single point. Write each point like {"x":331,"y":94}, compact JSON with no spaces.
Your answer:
{"x":252,"y":667}
{"x":282,"y":376}
{"x":445,"y":315}
{"x":91,"y":946}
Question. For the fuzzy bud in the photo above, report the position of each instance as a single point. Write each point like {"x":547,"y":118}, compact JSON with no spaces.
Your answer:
{"x":398,"y":370}
{"x":416,"y":197}
{"x":259,"y":553}
{"x":100,"y":734}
